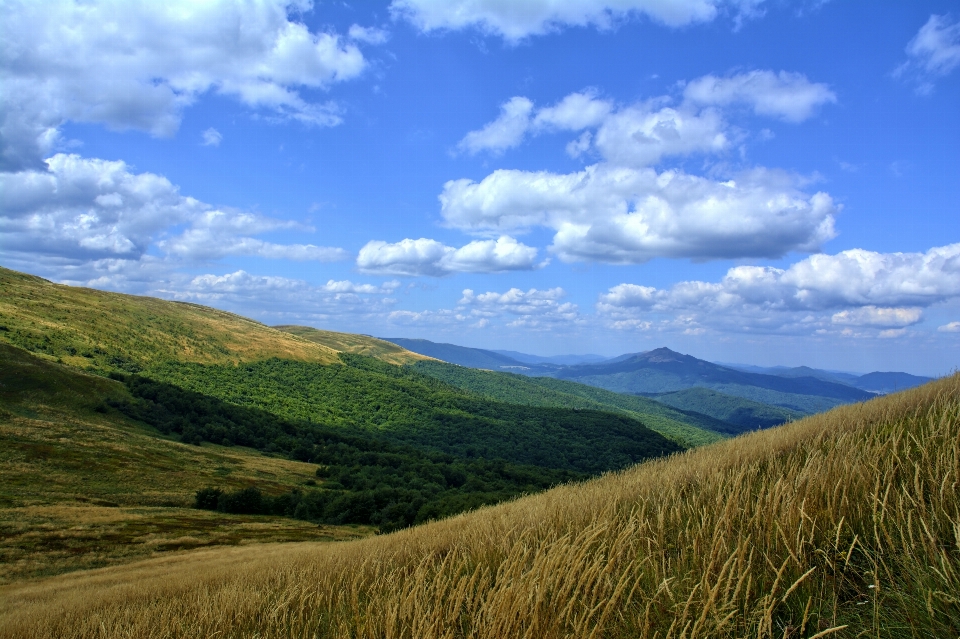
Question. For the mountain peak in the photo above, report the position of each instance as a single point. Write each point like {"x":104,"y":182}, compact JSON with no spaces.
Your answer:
{"x":663,"y":354}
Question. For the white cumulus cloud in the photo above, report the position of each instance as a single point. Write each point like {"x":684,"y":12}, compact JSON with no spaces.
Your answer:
{"x":574,"y":112}
{"x":643,"y":136}
{"x":625,"y":215}
{"x":789,"y":96}
{"x":282,"y":296}
{"x":82,"y":208}
{"x":346,"y":286}
{"x":644,"y":133}
{"x":138,"y":64}
{"x":877,"y":316}
{"x":430,"y":257}
{"x":518,"y":19}
{"x":369,"y":35}
{"x":533,"y":308}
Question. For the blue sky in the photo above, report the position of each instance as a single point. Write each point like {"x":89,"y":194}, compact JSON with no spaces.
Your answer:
{"x":756,"y":181}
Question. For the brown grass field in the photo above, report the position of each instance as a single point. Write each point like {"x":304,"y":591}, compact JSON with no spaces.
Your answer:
{"x":844,"y":524}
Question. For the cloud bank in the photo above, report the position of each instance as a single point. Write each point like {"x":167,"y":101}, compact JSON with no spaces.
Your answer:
{"x":852,"y":288}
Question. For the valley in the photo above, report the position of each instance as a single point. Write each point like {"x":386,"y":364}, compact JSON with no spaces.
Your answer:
{"x":211,"y":454}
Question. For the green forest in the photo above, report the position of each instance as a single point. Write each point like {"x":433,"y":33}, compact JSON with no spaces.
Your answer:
{"x":393,"y":446}
{"x":400,"y":405}
{"x":365,"y":480}
{"x":686,"y":427}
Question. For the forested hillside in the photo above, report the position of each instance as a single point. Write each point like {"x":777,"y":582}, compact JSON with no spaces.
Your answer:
{"x":688,"y":428}
{"x":364,"y":395}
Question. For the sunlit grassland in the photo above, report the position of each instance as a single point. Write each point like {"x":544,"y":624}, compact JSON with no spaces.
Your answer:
{"x":357,"y":344}
{"x":844,"y":524}
{"x":81,"y":488}
{"x":89,"y":328}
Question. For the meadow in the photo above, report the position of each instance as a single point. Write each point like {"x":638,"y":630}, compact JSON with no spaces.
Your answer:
{"x":843,"y":524}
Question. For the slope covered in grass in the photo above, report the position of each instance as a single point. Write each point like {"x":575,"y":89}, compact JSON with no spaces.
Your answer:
{"x":687,"y":428}
{"x":356,"y":344}
{"x":842,"y":524}
{"x":94,"y":329}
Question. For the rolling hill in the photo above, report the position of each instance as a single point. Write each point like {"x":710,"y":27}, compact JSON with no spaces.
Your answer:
{"x":89,"y":329}
{"x":393,"y":446}
{"x":558,"y":360}
{"x":879,"y":382}
{"x":835,"y":525}
{"x":665,"y":371}
{"x":876,"y":382}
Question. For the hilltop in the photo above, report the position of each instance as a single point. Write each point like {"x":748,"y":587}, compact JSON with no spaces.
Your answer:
{"x":834,"y":525}
{"x":87,"y":328}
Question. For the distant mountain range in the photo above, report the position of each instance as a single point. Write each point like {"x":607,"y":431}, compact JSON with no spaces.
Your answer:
{"x":877,"y":382}
{"x":765,"y":395}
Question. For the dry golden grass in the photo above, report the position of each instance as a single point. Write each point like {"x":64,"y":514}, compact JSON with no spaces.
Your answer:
{"x":356,"y":344}
{"x":845,"y":524}
{"x":50,"y":318}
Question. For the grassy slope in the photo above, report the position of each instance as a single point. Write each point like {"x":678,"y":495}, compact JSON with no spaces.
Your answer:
{"x":687,"y":429}
{"x":80,"y":488}
{"x":746,"y":414}
{"x":89,"y":328}
{"x":356,"y":344}
{"x":838,"y":525}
